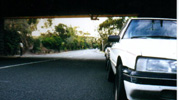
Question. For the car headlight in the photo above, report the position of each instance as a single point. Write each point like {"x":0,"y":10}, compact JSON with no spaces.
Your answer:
{"x":156,"y":65}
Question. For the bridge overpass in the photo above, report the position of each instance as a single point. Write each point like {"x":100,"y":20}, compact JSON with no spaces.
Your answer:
{"x":83,"y":8}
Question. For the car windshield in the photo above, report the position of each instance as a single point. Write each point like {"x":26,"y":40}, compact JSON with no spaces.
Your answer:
{"x":151,"y":29}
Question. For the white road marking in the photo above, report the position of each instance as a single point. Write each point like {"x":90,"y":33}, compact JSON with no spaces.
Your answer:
{"x":9,"y":66}
{"x":2,"y":81}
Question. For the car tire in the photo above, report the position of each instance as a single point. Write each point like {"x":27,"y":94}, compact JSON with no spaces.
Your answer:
{"x":110,"y":75}
{"x":119,"y":89}
{"x":107,"y":64}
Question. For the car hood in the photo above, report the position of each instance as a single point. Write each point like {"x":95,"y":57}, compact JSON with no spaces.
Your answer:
{"x":161,"y":48}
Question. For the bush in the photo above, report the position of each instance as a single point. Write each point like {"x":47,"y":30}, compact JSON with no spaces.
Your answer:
{"x":36,"y":46}
{"x":52,"y":42}
{"x":11,"y":42}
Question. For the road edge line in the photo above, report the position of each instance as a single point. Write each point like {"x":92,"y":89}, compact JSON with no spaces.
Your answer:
{"x":10,"y":66}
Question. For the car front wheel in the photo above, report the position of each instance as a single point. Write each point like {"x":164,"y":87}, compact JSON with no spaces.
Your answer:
{"x":107,"y":64}
{"x":110,"y":75}
{"x":119,"y":90}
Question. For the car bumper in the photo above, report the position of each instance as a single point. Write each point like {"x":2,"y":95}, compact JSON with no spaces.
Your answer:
{"x":149,"y":86}
{"x":149,"y":92}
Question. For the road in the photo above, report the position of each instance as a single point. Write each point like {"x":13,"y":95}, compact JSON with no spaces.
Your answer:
{"x":49,"y":77}
{"x":88,"y":54}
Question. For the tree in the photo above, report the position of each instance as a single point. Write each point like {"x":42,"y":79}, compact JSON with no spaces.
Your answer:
{"x":62,"y":31}
{"x":70,"y":40}
{"x":51,"y":41}
{"x":110,"y":27}
{"x":33,"y":23}
{"x":11,"y":42}
{"x":23,"y":29}
{"x":48,"y":23}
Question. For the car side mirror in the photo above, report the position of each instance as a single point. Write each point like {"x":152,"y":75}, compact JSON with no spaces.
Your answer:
{"x":113,"y":38}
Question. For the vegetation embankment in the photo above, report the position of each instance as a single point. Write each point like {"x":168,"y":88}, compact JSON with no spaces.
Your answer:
{"x":62,"y":38}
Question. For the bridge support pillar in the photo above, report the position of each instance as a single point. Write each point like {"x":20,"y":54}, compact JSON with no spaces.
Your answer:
{"x":1,"y":36}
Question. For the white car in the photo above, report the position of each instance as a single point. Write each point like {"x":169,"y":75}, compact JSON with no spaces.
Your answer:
{"x":143,"y":60}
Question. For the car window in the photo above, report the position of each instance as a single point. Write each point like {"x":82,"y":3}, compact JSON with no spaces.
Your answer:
{"x":151,"y":29}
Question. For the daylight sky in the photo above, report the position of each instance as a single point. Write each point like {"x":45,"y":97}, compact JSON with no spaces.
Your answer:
{"x":83,"y":24}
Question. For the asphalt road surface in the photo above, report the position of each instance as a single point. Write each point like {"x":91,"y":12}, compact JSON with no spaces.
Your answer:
{"x":52,"y":78}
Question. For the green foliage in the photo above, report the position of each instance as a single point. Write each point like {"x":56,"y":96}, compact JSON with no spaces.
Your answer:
{"x":11,"y":42}
{"x":32,"y":21}
{"x":49,"y":22}
{"x":52,"y":41}
{"x":19,"y":25}
{"x":62,"y":31}
{"x":66,"y":38}
{"x":36,"y":46}
{"x":18,"y":30}
{"x":111,"y":23}
{"x":110,"y":27}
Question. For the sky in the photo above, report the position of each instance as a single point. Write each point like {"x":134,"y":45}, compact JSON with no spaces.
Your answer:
{"x":83,"y":24}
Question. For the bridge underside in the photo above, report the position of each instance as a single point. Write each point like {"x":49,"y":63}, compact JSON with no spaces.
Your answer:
{"x":44,"y":8}
{"x":83,"y":8}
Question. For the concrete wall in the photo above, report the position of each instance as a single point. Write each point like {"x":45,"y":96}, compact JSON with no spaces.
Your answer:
{"x":1,"y":36}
